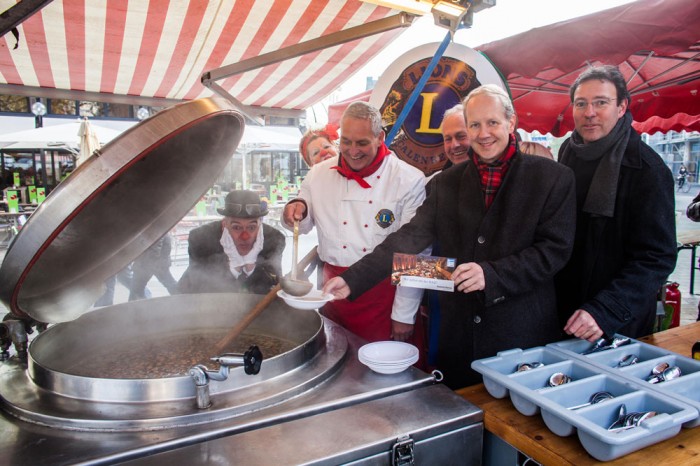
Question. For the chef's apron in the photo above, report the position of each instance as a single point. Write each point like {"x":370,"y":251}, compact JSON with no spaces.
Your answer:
{"x":369,"y":316}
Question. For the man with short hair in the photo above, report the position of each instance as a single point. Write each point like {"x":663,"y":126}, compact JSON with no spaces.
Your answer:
{"x":454,"y":136}
{"x":355,"y":201}
{"x":625,"y":244}
{"x":508,"y":220}
{"x":239,"y":254}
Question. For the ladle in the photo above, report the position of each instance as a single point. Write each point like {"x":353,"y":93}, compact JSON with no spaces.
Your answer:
{"x":657,"y":370}
{"x":602,"y":344}
{"x":596,"y":398}
{"x":291,"y":285}
{"x":631,"y":420}
{"x":628,"y":361}
{"x":258,"y":308}
{"x":558,"y":378}
{"x":526,"y":366}
{"x":621,"y":414}
{"x":670,"y":373}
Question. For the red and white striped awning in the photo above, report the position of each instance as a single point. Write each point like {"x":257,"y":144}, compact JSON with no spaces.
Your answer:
{"x":161,"y":48}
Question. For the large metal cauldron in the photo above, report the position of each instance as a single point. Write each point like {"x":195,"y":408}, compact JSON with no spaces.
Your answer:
{"x":63,"y":386}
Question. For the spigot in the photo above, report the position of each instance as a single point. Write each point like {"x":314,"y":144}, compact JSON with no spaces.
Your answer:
{"x":251,"y":361}
{"x":16,"y":332}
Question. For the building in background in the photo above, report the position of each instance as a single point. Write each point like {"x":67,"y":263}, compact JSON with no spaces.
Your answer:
{"x":266,"y":154}
{"x":677,"y":148}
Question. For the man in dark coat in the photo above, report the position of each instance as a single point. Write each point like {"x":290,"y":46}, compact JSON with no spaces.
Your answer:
{"x":154,"y":261}
{"x":625,"y":244}
{"x":238,"y":254}
{"x":507,"y":218}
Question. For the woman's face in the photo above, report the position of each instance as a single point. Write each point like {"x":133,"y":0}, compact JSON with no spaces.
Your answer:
{"x":320,"y":149}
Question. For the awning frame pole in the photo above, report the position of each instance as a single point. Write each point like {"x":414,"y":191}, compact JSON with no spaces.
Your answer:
{"x":209,"y":79}
{"x":337,"y":38}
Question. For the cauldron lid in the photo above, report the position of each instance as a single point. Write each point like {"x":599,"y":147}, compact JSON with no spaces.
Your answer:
{"x":114,"y":206}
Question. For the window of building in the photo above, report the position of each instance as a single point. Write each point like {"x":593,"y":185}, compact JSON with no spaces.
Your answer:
{"x":14,"y":104}
{"x":62,"y":107}
{"x":90,"y":109}
{"x":118,"y":110}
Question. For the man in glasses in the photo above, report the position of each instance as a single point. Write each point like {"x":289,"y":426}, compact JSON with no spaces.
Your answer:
{"x":238,"y":254}
{"x":625,"y":244}
{"x":355,"y":201}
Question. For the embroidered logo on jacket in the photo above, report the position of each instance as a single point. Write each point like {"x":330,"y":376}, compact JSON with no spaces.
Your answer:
{"x":384,"y":218}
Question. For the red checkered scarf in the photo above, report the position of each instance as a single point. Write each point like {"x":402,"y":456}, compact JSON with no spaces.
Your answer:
{"x":492,"y":174}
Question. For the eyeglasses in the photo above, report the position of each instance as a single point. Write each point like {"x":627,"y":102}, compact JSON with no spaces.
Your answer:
{"x":598,"y":104}
{"x":251,"y":209}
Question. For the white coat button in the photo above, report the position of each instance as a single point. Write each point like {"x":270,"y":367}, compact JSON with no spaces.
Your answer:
{"x":481,"y":240}
{"x":477,"y":319}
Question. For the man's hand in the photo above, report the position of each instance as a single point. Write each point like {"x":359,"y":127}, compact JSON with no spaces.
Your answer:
{"x":337,"y":287}
{"x":469,"y":277}
{"x":582,"y":325}
{"x":293,"y":211}
{"x":401,"y":331}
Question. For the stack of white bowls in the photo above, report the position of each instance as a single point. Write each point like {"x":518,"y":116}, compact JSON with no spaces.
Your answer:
{"x":388,"y":357}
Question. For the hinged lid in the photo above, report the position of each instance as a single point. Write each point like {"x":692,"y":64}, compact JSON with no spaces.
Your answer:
{"x":114,"y":206}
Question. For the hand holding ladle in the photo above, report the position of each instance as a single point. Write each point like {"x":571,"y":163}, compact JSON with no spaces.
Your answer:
{"x":290,"y":284}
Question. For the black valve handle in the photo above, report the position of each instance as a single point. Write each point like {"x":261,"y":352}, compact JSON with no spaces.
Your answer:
{"x":252,"y":360}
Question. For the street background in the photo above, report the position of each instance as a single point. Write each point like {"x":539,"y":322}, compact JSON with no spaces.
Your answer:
{"x":681,"y":274}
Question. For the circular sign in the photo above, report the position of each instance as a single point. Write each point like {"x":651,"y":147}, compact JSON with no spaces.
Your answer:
{"x":459,"y":70}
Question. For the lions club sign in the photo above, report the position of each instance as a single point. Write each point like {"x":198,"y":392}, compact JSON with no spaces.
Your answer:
{"x":419,"y":140}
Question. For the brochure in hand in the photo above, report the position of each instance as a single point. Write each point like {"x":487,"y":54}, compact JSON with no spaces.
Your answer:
{"x":422,"y":271}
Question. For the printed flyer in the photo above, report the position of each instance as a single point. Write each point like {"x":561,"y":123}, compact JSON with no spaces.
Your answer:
{"x":422,"y":271}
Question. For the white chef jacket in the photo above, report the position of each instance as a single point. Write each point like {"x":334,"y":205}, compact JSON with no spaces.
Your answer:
{"x":347,"y":216}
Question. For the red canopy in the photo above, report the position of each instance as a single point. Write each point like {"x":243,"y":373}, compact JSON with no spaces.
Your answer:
{"x":654,"y":43}
{"x":678,"y":122}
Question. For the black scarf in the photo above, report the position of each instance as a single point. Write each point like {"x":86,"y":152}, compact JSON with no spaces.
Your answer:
{"x":610,"y":149}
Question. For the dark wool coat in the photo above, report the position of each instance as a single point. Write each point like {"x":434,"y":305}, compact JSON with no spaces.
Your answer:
{"x":208,"y":270}
{"x":625,"y":259}
{"x":520,"y":242}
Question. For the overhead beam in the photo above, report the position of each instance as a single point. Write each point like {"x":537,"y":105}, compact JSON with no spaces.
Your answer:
{"x":255,"y":113}
{"x":303,"y":48}
{"x":16,"y":14}
{"x":52,"y":93}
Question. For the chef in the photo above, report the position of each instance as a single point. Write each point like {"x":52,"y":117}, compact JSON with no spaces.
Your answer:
{"x":355,"y":201}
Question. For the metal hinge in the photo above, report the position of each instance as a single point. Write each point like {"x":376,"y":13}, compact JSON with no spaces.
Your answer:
{"x":402,"y":452}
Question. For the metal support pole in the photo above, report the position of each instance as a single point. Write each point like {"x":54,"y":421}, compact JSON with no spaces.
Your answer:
{"x":418,"y":89}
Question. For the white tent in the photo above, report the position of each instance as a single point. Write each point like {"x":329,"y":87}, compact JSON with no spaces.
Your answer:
{"x":270,"y":138}
{"x":65,"y":136}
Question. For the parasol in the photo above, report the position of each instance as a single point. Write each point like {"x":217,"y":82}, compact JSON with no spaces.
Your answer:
{"x":88,"y":142}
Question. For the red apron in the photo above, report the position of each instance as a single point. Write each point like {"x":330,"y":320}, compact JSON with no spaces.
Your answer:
{"x":369,"y":316}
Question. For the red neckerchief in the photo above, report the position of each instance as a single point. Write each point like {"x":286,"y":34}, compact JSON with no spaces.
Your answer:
{"x":492,"y":174}
{"x":359,"y":176}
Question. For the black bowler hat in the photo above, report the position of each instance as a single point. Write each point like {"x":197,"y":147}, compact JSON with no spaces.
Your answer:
{"x":243,"y":204}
